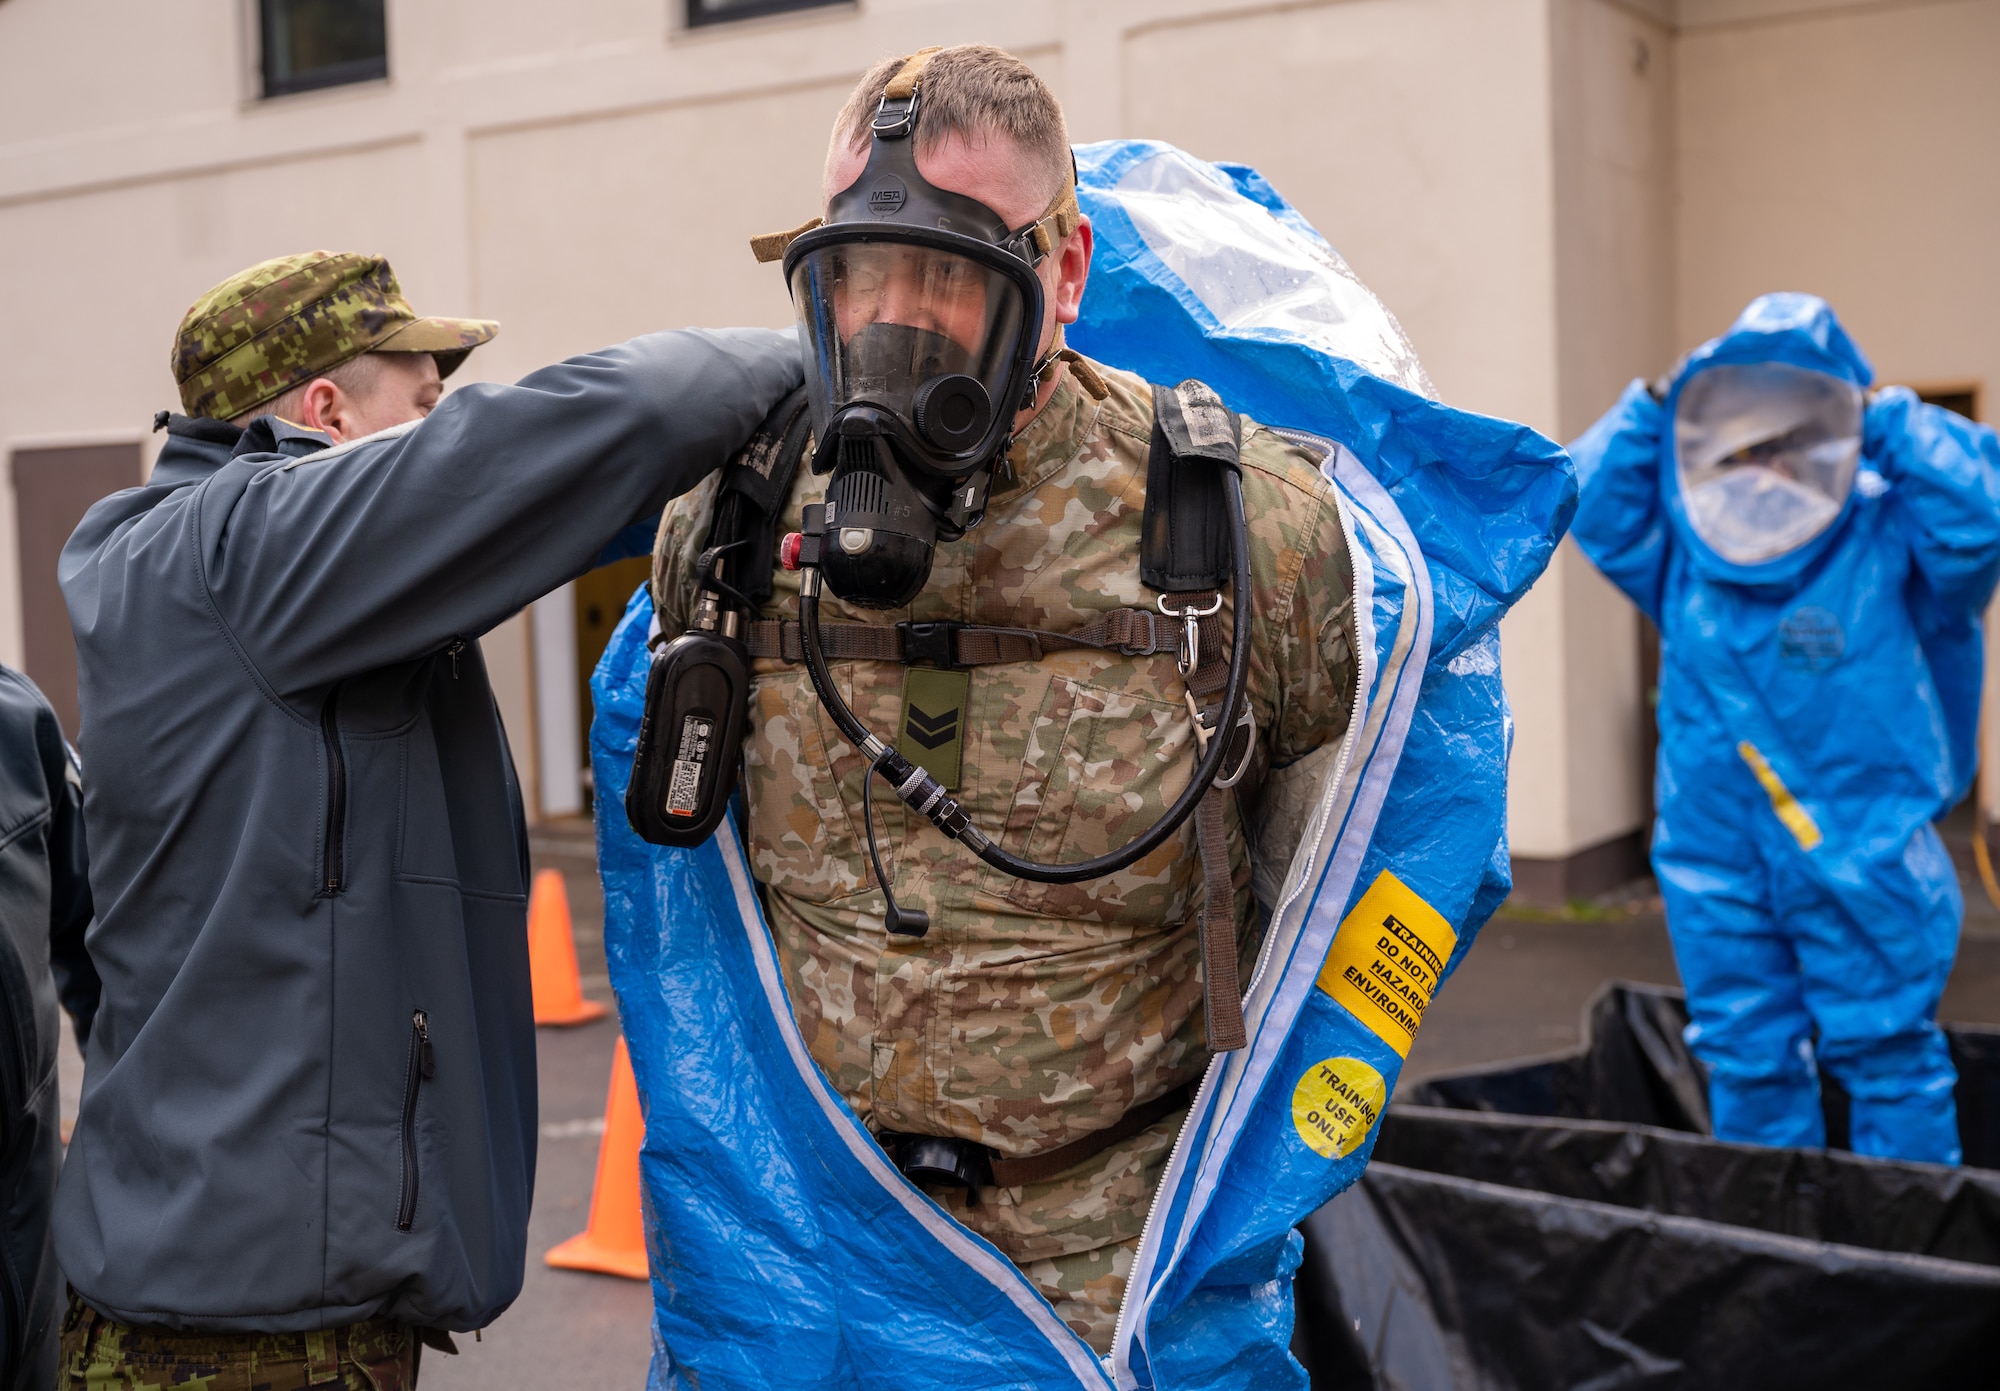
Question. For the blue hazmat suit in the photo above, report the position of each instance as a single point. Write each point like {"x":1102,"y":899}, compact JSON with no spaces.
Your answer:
{"x":786,"y":1250}
{"x":1816,"y":559}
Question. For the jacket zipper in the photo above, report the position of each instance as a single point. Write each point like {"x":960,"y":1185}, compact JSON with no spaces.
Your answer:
{"x":15,"y":1332}
{"x":421,"y":1065}
{"x":457,"y":646}
{"x":333,"y":868}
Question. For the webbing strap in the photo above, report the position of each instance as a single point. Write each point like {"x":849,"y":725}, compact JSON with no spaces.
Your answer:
{"x":1221,"y":986}
{"x":754,"y":487}
{"x":1086,"y":375}
{"x":1048,"y":231}
{"x":771,"y":246}
{"x":905,"y":81}
{"x":1129,"y":632}
{"x":1040,"y":1168}
{"x":1221,"y":990}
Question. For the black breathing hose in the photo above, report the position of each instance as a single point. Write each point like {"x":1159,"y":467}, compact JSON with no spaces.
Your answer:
{"x":922,"y":793}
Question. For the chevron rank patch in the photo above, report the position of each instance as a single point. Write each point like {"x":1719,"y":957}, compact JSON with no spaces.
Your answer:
{"x":932,"y":734}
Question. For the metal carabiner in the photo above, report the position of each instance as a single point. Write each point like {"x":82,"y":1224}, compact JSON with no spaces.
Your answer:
{"x":1190,"y":653}
{"x":1202,"y":734}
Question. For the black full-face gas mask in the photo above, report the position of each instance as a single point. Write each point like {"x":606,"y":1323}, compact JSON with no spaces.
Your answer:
{"x":919,"y":315}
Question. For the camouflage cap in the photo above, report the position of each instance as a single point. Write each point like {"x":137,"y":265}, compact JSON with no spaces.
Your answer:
{"x":265,"y":330}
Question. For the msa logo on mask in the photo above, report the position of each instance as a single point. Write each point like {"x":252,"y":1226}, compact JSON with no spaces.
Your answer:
{"x":1767,"y":454}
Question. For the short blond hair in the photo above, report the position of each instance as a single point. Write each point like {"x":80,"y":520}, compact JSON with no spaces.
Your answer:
{"x":972,"y":90}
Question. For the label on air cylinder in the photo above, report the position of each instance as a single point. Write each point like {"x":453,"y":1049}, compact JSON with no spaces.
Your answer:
{"x":684,"y":788}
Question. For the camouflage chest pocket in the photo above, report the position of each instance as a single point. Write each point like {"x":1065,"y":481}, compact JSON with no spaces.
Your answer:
{"x":1100,"y":767}
{"x":799,"y":831}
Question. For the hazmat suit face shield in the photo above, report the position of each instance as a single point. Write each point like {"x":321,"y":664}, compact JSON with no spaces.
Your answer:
{"x":926,"y":335}
{"x":1766,"y":455}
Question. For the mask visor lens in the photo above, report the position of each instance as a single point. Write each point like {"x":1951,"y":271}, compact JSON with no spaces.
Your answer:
{"x":1767,"y":454}
{"x":910,"y":329}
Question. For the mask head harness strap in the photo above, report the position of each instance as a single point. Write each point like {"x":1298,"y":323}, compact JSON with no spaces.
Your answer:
{"x":896,"y":114}
{"x":895,"y":120}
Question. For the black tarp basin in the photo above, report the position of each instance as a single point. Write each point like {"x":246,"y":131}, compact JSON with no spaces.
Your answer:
{"x":1566,"y":1222}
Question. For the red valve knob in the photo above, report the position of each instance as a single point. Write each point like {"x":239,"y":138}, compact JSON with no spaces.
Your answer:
{"x":789,"y":548}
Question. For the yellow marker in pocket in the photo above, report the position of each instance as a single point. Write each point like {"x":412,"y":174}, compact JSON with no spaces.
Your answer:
{"x":1796,"y":818}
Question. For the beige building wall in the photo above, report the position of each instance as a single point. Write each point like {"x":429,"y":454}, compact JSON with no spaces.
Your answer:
{"x":1853,"y":151}
{"x":1579,"y":793}
{"x":589,"y":171}
{"x":1553,"y":196}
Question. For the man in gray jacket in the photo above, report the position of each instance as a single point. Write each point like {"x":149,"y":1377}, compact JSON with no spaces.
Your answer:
{"x":307,"y":1135}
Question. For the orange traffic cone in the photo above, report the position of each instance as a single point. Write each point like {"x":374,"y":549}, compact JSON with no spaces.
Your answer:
{"x":615,"y":1241}
{"x":552,"y":956}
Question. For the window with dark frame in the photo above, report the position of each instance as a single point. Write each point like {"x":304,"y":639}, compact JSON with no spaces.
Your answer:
{"x":310,"y":44}
{"x":1962,"y":397}
{"x":700,"y":12}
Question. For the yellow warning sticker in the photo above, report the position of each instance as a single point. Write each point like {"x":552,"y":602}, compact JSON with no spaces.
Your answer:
{"x":1335,"y":1105}
{"x":1387,"y":960}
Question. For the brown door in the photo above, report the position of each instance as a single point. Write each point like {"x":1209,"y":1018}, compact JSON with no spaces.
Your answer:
{"x":601,"y":597}
{"x":53,"y":488}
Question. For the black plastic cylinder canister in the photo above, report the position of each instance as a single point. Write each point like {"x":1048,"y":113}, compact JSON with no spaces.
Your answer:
{"x":690,"y":739}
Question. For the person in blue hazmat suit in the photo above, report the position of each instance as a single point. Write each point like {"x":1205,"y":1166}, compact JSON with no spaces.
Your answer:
{"x":1816,"y":556}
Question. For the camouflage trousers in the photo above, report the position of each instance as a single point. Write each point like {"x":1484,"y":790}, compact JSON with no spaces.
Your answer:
{"x":374,"y":1355}
{"x":1074,"y":1236}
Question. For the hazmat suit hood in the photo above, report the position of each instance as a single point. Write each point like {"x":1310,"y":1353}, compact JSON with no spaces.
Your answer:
{"x":1761,"y":454}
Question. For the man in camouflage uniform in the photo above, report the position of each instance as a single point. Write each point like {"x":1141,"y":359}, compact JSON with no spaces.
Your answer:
{"x":1031,"y":1015}
{"x":307,"y":1135}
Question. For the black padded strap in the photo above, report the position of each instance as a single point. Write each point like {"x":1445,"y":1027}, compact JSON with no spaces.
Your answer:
{"x":754,"y":487}
{"x":1185,"y":542}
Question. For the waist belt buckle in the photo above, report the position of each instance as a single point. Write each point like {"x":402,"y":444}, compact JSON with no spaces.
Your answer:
{"x":1152,"y":643}
{"x":931,"y":644}
{"x":937,"y":1159}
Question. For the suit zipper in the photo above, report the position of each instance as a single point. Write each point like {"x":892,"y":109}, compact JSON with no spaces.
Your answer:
{"x":333,"y":868}
{"x":421,"y":1065}
{"x":1314,"y":829}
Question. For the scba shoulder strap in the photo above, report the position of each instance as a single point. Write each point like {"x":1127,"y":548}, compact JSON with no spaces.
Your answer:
{"x":752,"y":496}
{"x":1184,"y":545}
{"x":698,"y":691}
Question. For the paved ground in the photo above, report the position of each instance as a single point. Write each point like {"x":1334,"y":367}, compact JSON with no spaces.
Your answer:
{"x":1522,"y":987}
{"x":1519,"y":992}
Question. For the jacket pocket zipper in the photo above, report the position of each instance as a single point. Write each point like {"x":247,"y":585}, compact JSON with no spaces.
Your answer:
{"x":334,"y":864}
{"x":421,"y":1065}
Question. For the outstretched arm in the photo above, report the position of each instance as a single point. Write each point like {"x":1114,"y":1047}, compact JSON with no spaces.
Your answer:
{"x":392,"y":547}
{"x":1619,"y":520}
